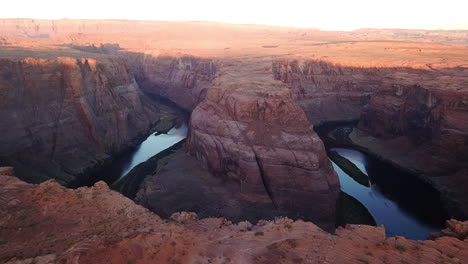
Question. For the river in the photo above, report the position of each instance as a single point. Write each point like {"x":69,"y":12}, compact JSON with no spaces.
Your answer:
{"x":151,"y":146}
{"x":405,"y":205}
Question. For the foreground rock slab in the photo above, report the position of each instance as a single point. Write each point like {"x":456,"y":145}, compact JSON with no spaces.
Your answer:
{"x":48,"y":223}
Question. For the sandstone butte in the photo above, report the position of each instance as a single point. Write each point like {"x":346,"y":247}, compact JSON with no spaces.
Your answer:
{"x":73,"y":93}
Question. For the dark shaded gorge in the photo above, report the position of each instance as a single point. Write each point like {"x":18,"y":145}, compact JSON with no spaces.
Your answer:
{"x":402,"y":202}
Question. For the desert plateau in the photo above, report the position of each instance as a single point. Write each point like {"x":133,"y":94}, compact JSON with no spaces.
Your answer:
{"x":138,"y":141}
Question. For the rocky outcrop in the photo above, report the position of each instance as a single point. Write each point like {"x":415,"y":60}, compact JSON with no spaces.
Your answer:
{"x":416,"y":118}
{"x":425,"y":127}
{"x":329,"y":92}
{"x":434,"y":120}
{"x":178,"y":183}
{"x":249,"y":130}
{"x":411,"y":111}
{"x":183,"y":79}
{"x":454,"y":229}
{"x":48,"y":223}
{"x":63,"y":116}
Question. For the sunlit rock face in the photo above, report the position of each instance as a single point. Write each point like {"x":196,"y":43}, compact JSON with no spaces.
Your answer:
{"x":250,"y":131}
{"x":65,"y":115}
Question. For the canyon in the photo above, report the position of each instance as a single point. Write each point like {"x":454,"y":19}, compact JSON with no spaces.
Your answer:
{"x":76,"y":94}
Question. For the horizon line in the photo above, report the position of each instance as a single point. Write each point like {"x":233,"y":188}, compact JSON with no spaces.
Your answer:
{"x":231,"y":23}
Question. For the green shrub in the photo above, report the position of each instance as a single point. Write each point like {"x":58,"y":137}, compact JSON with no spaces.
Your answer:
{"x":400,"y":248}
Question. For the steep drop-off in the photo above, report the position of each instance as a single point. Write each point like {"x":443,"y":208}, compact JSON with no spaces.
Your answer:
{"x":250,"y":131}
{"x":424,"y":130}
{"x":414,"y":117}
{"x":48,"y":223}
{"x":328,"y":92}
{"x":182,"y":78}
{"x":63,"y":116}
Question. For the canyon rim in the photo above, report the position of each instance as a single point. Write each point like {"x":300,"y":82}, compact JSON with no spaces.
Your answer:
{"x":253,"y":181}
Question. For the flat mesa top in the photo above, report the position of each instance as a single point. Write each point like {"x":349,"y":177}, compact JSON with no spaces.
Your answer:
{"x":48,"y":39}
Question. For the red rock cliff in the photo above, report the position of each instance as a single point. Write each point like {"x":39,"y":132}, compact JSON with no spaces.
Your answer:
{"x":249,"y":130}
{"x":425,"y":129}
{"x":65,"y":115}
{"x":181,"y":78}
{"x":328,"y":92}
{"x":415,"y":117}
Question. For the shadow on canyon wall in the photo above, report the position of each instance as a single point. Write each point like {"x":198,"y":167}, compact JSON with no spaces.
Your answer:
{"x":66,"y":117}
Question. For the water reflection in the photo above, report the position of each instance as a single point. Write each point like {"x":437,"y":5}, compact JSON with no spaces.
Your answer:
{"x":153,"y":145}
{"x":405,"y":205}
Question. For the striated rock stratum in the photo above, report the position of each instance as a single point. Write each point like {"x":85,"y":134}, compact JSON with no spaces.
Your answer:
{"x":75,"y":94}
{"x":65,"y":115}
{"x":250,"y":131}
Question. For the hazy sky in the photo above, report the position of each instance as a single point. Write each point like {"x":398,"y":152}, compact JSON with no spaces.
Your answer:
{"x":324,"y":14}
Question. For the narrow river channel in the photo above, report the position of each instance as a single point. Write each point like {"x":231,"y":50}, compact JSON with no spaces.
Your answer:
{"x":152,"y":145}
{"x":405,"y":205}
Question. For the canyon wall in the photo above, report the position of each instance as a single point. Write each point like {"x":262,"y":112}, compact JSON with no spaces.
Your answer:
{"x":250,"y":131}
{"x":423,"y":104}
{"x":433,"y":119}
{"x":424,"y":130}
{"x":413,"y":117}
{"x":62,"y":116}
{"x":329,"y":92}
{"x":181,"y":78}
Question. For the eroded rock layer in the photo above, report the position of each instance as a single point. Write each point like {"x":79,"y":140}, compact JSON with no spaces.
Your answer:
{"x":251,"y":131}
{"x":48,"y":223}
{"x":423,"y":129}
{"x":181,"y":78}
{"x":413,"y":116}
{"x":329,"y":92}
{"x":62,"y":116}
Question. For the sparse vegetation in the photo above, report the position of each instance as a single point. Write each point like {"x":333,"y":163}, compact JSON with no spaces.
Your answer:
{"x":292,"y":242}
{"x":400,"y":248}
{"x":382,"y":244}
{"x":363,"y":260}
{"x":272,"y":246}
{"x":259,"y":233}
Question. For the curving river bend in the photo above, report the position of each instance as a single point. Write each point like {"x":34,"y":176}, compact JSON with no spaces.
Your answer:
{"x":405,"y":205}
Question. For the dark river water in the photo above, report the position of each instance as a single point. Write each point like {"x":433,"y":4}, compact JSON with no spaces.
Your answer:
{"x":121,"y":166}
{"x":405,"y":205}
